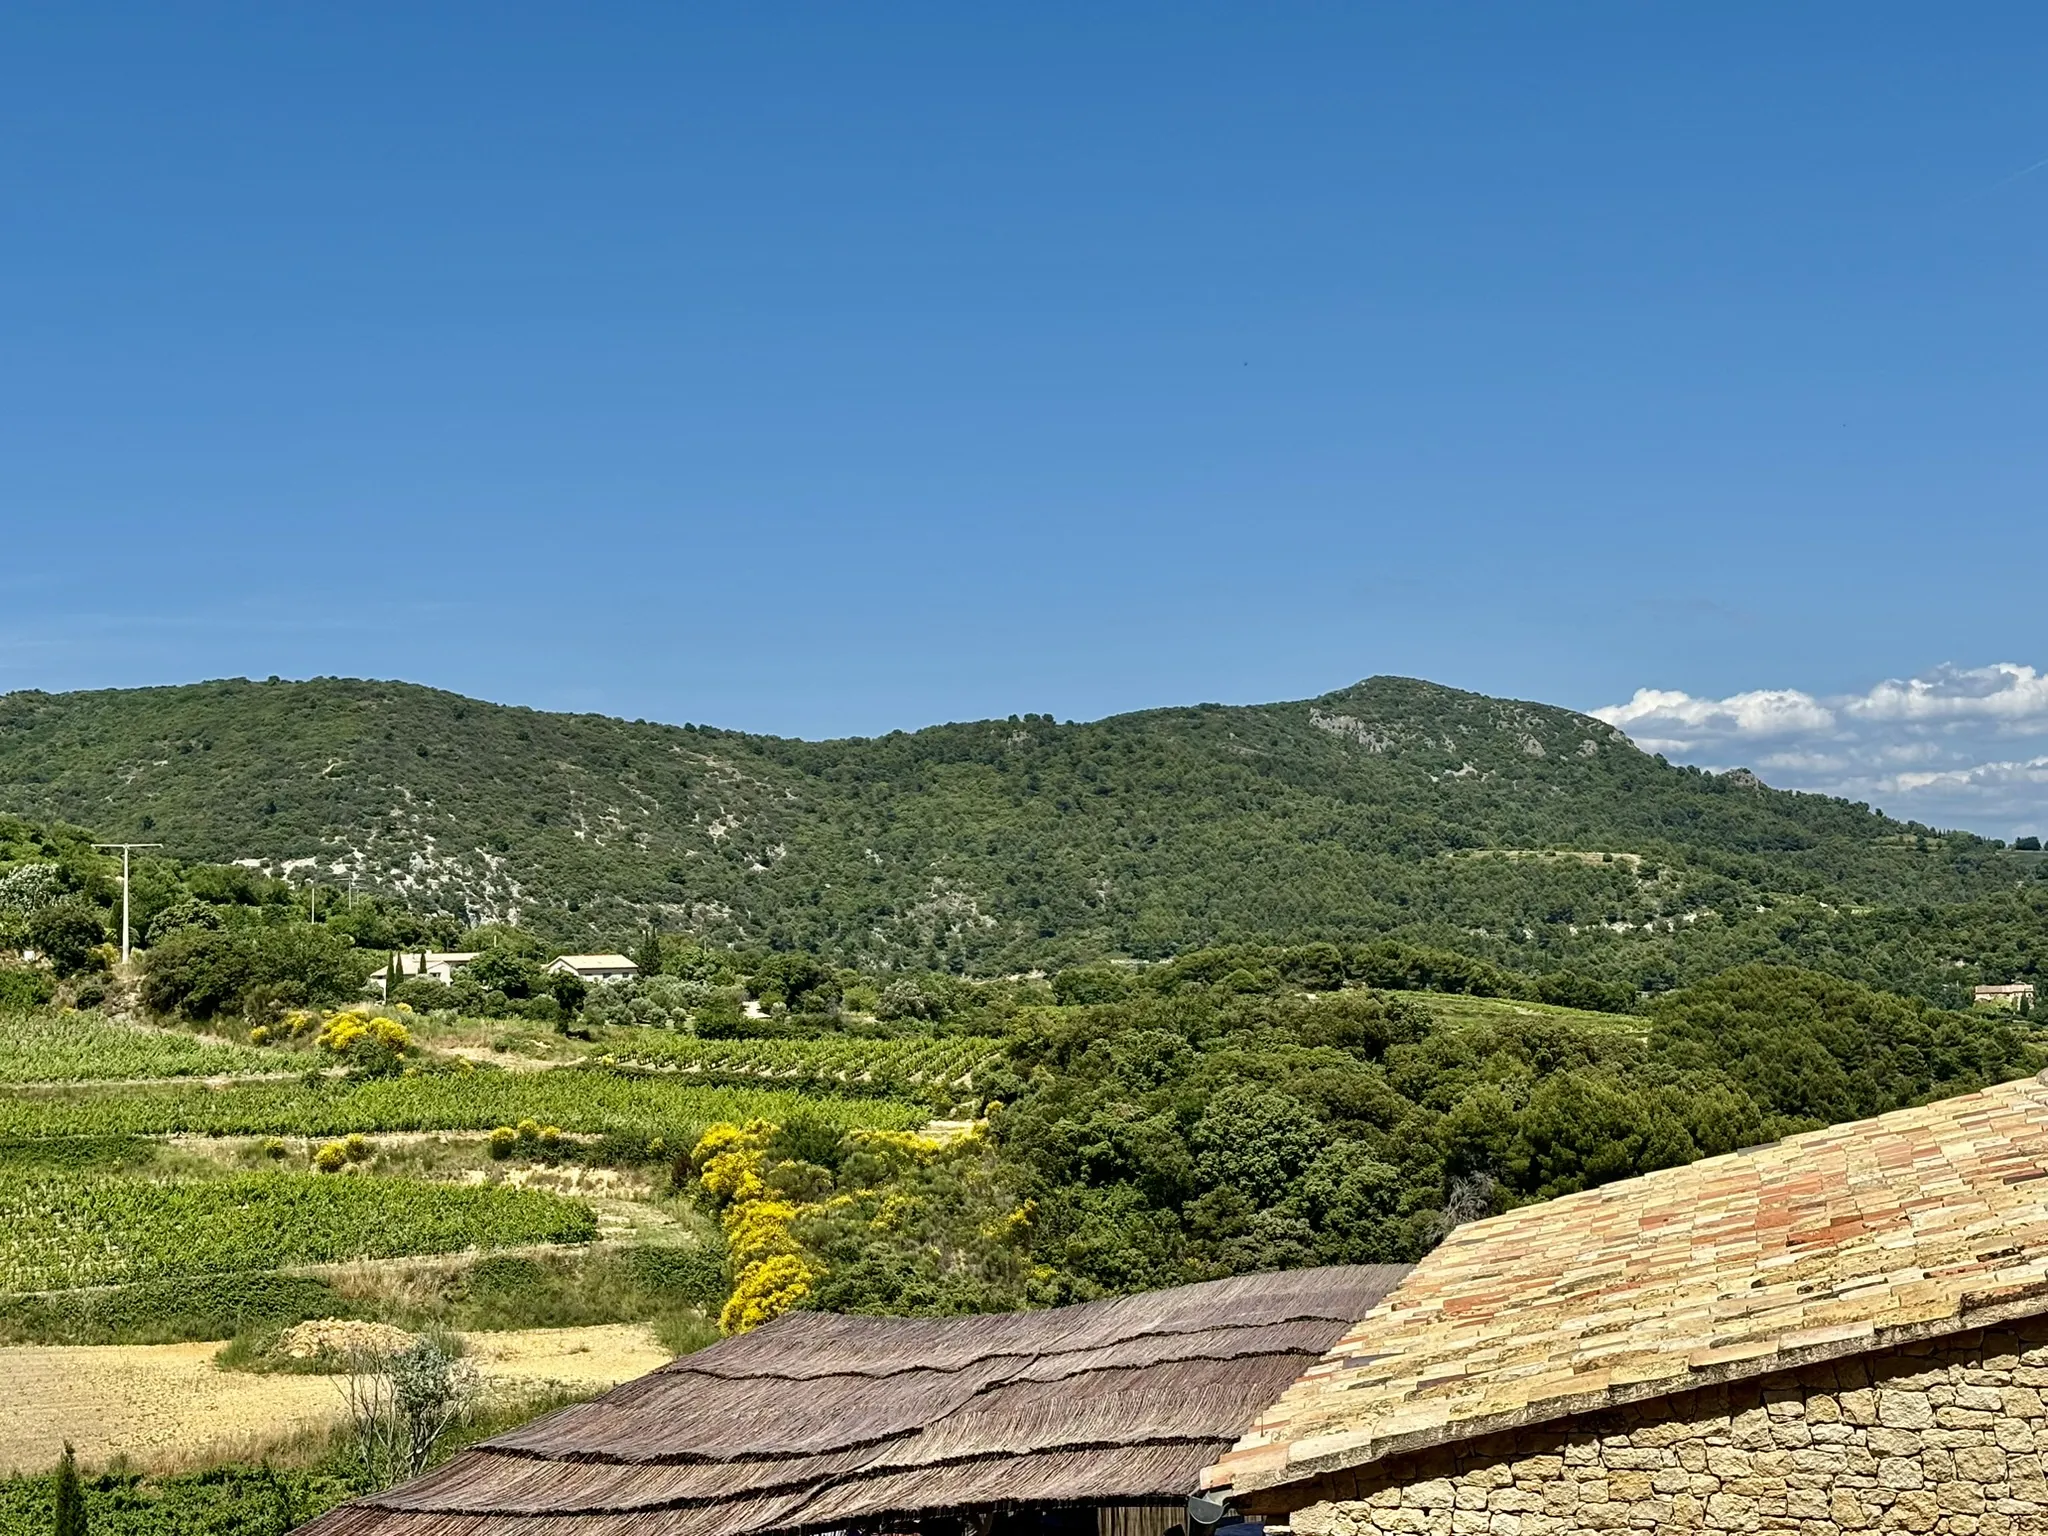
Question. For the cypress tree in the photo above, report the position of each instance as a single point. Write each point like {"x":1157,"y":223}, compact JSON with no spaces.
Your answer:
{"x":649,"y":957}
{"x":70,"y":1519}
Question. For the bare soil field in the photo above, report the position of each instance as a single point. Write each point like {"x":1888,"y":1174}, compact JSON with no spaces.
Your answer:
{"x":166,"y":1406}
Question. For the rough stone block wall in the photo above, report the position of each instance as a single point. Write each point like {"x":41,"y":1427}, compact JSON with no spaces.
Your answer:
{"x":1946,"y":1436}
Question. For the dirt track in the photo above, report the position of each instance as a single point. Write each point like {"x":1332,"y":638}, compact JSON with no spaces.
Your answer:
{"x":165,"y":1405}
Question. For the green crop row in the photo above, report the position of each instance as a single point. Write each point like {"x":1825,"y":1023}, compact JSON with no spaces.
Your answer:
{"x":58,"y":1231}
{"x":53,"y":1047}
{"x":595,"y":1101}
{"x":835,"y":1062}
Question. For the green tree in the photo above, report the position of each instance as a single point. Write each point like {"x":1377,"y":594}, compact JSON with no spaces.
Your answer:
{"x":1257,"y":1142}
{"x":721,"y":1018}
{"x":67,"y":931}
{"x":1821,"y":1050}
{"x":253,"y":967}
{"x":69,"y":1515}
{"x":802,"y":982}
{"x":648,"y":955}
{"x":499,"y":969}
{"x":569,"y":990}
{"x":191,"y":912}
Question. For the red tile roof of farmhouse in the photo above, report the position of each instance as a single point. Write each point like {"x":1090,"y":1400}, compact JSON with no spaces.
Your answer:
{"x":1836,"y":1242}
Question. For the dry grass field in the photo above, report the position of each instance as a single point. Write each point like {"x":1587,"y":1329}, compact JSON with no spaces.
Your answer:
{"x":167,"y":1406}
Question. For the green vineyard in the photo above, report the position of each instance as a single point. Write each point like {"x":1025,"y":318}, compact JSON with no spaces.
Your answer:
{"x":593,"y":1101}
{"x":63,"y":1231}
{"x":51,"y":1047}
{"x":907,"y":1067}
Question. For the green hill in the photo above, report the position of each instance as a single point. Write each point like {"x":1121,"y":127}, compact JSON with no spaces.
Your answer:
{"x":1530,"y":835}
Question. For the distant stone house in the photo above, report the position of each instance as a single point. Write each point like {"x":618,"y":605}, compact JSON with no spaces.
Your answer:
{"x":2011,"y":994}
{"x":1844,"y":1331}
{"x":595,"y":967}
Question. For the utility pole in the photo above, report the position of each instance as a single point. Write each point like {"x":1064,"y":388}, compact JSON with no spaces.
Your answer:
{"x":126,"y":849}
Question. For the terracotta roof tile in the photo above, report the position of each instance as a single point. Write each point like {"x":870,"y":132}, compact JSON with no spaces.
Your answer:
{"x":1843,"y":1240}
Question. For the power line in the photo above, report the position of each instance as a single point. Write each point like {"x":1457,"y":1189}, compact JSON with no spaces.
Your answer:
{"x":125,"y":848}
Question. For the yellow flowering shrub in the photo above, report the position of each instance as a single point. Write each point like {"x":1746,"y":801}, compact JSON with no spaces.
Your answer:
{"x":296,"y":1024}
{"x":1013,"y":1228}
{"x":907,"y":1145}
{"x":731,"y":1161}
{"x":722,"y":1137}
{"x":351,"y":1033}
{"x":770,"y":1270}
{"x":759,"y":1229}
{"x":763,"y":1292}
{"x":799,"y":1221}
{"x":895,"y":1212}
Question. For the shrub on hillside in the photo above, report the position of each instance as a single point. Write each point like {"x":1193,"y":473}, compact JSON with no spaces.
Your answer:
{"x":423,"y":994}
{"x":656,"y":1002}
{"x":24,"y":987}
{"x":189,"y":913}
{"x":68,"y":933}
{"x":369,"y":1043}
{"x":251,"y":968}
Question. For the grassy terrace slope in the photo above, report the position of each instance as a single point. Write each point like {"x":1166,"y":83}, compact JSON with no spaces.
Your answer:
{"x":995,"y":844}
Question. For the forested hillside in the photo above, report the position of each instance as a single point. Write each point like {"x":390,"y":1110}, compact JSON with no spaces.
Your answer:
{"x":1531,"y":836}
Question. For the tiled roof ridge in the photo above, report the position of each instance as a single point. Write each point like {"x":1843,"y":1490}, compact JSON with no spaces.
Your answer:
{"x":1835,"y":1242}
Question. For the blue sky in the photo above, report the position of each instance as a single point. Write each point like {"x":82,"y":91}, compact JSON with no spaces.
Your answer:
{"x":833,"y":369}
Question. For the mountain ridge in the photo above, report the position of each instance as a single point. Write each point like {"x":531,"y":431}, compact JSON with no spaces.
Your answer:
{"x":1393,"y":806}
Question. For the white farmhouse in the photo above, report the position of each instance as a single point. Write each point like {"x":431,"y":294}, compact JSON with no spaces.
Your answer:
{"x":595,"y":967}
{"x":434,"y":964}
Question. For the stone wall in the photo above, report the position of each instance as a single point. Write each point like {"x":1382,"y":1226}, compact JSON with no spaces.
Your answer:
{"x":1946,"y":1436}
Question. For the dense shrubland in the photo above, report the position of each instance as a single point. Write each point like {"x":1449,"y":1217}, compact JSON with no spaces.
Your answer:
{"x":1242,"y":1110}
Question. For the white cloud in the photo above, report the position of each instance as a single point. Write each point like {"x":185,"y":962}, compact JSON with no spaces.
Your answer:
{"x":1763,"y":712}
{"x":1977,"y":776}
{"x":1937,"y":748}
{"x":1805,"y":762}
{"x":2003,"y":691}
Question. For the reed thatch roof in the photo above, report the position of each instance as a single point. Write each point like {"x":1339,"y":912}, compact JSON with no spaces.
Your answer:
{"x":818,"y":1421}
